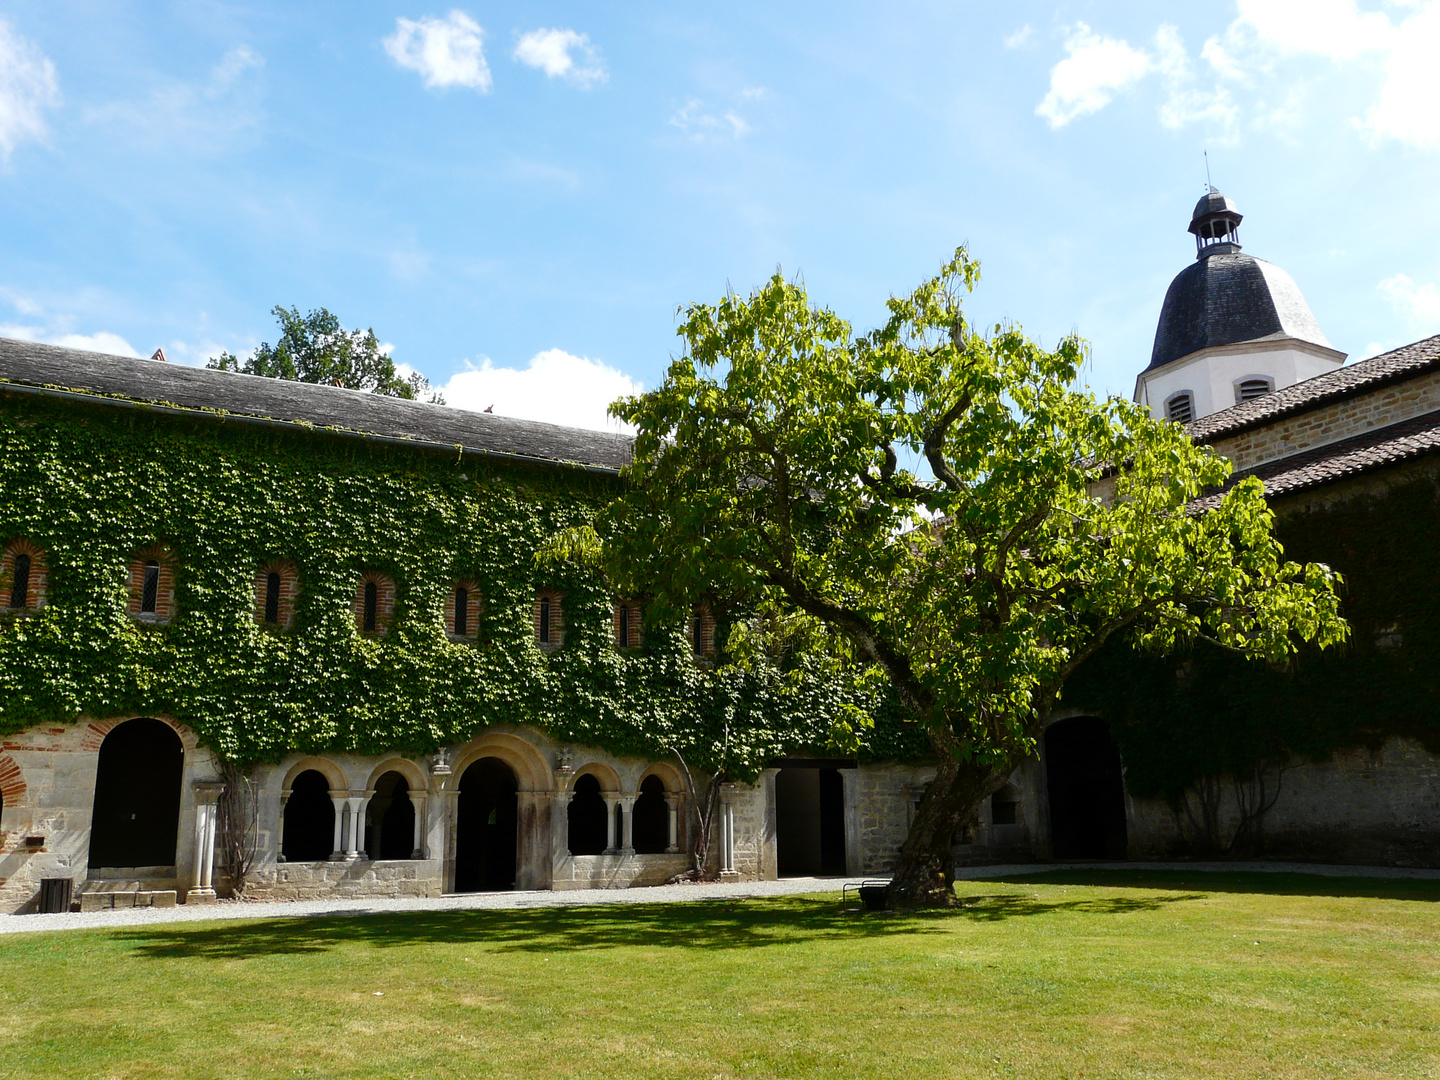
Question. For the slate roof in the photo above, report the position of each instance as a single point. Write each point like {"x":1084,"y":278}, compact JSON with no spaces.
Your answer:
{"x":1349,"y":457}
{"x":1224,"y":299}
{"x":1348,"y":381}
{"x":50,"y":369}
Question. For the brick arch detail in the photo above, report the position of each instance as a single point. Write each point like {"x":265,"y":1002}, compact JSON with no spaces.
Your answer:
{"x":12,"y":782}
{"x":98,"y":729}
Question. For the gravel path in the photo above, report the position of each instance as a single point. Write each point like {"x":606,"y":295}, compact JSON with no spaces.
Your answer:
{"x":660,"y":894}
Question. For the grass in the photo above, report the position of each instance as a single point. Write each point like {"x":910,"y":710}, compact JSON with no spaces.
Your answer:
{"x":1124,"y":974}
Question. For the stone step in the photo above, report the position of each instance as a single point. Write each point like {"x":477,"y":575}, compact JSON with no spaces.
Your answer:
{"x":109,"y":899}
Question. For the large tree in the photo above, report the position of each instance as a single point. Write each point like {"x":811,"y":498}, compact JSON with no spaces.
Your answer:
{"x":1034,"y":523}
{"x":315,"y":348}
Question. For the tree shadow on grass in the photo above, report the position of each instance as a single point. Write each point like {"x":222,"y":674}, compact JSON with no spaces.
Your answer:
{"x":746,"y":924}
{"x":1237,"y":881}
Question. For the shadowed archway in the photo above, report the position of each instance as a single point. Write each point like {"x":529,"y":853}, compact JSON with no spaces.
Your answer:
{"x":136,"y":817}
{"x":1086,"y":789}
{"x":486,"y":827}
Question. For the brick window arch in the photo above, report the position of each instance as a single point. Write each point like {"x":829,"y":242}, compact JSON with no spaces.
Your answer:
{"x":374,"y":603}
{"x":24,"y":576}
{"x":549,"y":620}
{"x":277,"y":584}
{"x":627,"y":624}
{"x":152,"y":585}
{"x":462,"y":611}
{"x":702,"y":633}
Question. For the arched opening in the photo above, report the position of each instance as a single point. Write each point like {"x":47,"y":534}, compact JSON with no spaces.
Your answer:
{"x":272,"y":597}
{"x":150,"y":588}
{"x":20,"y":582}
{"x":390,"y":825}
{"x":809,"y":822}
{"x":1086,"y":789}
{"x":136,"y":818}
{"x":586,"y":818}
{"x":486,"y":827}
{"x":1005,"y":807}
{"x":309,"y":826}
{"x":371,"y":607}
{"x":650,"y":824}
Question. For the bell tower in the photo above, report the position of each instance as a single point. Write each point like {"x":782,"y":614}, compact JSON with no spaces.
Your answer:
{"x":1233,"y":328}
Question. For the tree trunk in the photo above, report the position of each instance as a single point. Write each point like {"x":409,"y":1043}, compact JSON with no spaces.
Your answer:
{"x":925,"y":870}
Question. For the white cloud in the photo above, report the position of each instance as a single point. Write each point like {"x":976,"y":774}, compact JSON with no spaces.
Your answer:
{"x":550,"y":51}
{"x":1020,"y":38}
{"x":1333,"y":28}
{"x":694,"y":121}
{"x":446,"y":52}
{"x":1420,"y":303}
{"x":27,"y":88}
{"x":1094,"y":70}
{"x":100,"y":341}
{"x":1185,"y":102}
{"x":556,"y":388}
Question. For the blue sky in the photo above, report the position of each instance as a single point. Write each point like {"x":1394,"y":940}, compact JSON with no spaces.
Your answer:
{"x":519,"y":196}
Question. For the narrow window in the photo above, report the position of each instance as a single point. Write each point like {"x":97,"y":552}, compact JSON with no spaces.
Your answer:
{"x":272,"y":597}
{"x":372,"y":599}
{"x":462,"y":610}
{"x":544,"y":620}
{"x":150,"y":591}
{"x":622,"y":631}
{"x":1250,"y":389}
{"x":20,"y":588}
{"x":1180,"y":408}
{"x":697,"y":632}
{"x":1003,"y":808}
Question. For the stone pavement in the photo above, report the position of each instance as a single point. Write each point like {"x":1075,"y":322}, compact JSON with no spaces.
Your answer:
{"x":660,"y":894}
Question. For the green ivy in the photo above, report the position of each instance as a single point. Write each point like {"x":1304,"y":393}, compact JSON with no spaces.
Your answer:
{"x":1210,"y":713}
{"x":92,"y":486}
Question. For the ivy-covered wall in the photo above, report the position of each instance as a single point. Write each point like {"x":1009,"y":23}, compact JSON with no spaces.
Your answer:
{"x":1178,"y":719}
{"x":92,"y":485}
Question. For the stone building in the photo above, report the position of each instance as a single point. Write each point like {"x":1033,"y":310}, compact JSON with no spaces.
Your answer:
{"x":125,"y":805}
{"x":1240,"y":358}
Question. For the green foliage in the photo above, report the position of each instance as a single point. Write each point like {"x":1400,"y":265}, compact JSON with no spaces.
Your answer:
{"x":767,"y":476}
{"x":315,"y":348}
{"x":92,"y":487}
{"x":1208,"y":712}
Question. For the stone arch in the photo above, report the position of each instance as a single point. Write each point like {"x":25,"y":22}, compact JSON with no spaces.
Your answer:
{"x":135,"y":816}
{"x":412,"y":773}
{"x":324,"y":766}
{"x":609,"y":779}
{"x":12,"y":783}
{"x":668,"y":774}
{"x":392,"y":817}
{"x":307,"y":822}
{"x":532,"y":772}
{"x":96,"y":731}
{"x":650,"y":817}
{"x":586,"y":830}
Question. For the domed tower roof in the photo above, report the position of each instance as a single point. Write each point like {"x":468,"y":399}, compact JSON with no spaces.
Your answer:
{"x":1227,"y":297}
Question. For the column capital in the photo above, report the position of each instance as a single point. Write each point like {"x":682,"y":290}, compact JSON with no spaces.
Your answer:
{"x":208,"y":791}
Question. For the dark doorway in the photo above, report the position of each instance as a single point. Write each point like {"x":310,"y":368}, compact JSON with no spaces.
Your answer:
{"x":137,"y":796}
{"x":486,"y":827}
{"x":390,"y":832}
{"x":585,"y":818}
{"x":650,"y":819}
{"x":309,"y":819}
{"x":809,"y":822}
{"x":1086,"y":789}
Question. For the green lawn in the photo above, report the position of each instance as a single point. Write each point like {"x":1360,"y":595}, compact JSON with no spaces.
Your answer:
{"x":1078,"y":974}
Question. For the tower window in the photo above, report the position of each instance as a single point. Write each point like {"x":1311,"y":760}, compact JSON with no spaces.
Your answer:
{"x":1180,"y":407}
{"x":272,"y":597}
{"x":462,"y":610}
{"x":622,"y":627}
{"x":1254,"y":387}
{"x":20,"y":587}
{"x":544,"y":631}
{"x":372,"y":604}
{"x":150,"y":590}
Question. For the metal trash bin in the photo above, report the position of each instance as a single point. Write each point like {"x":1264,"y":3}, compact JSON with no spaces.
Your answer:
{"x":873,"y":897}
{"x":56,"y":894}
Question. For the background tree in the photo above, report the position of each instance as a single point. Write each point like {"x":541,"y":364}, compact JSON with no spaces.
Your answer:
{"x":315,"y":348}
{"x":767,"y":477}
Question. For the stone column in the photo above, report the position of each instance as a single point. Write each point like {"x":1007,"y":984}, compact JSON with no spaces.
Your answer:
{"x":417,"y":800}
{"x":727,"y":834}
{"x":672,"y":803}
{"x":202,"y":890}
{"x":337,"y":799}
{"x":352,"y":849}
{"x":359,"y":839}
{"x":280,"y":836}
{"x":627,"y":817}
{"x":610,"y":801}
